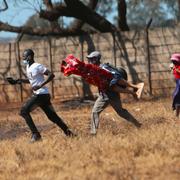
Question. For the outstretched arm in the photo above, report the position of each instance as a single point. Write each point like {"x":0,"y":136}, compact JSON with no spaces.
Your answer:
{"x":19,"y":81}
{"x":16,"y":81}
{"x":177,"y":70}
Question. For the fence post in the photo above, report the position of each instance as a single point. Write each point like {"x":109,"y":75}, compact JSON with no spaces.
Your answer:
{"x":114,"y":49}
{"x":148,"y":55}
{"x":82,"y":47}
{"x":18,"y":59}
{"x":51,"y":66}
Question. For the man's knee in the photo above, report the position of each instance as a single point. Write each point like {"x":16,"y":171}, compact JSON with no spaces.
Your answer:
{"x":23,"y":112}
{"x":94,"y":114}
{"x":124,"y":110}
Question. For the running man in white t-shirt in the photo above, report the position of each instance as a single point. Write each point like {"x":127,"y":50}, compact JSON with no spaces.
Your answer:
{"x":41,"y":97}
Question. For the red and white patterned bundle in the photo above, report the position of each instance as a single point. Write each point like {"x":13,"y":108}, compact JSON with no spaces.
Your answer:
{"x":91,"y":73}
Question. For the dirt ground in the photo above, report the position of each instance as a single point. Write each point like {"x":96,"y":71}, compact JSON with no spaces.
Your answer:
{"x":119,"y":151}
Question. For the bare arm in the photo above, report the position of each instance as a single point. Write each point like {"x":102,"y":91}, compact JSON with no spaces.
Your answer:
{"x":19,"y":81}
{"x":177,"y":70}
{"x":49,"y":78}
{"x":16,"y":81}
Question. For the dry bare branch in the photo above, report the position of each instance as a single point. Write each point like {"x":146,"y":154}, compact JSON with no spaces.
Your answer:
{"x":71,"y":8}
{"x":6,"y":6}
{"x":77,"y":24}
{"x":76,"y":9}
{"x":49,"y":7}
{"x":38,"y":31}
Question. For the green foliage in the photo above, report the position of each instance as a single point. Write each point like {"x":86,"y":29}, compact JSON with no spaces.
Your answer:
{"x":163,"y":12}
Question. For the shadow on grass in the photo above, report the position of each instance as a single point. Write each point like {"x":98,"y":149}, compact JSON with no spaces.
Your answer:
{"x":77,"y":103}
{"x":16,"y":132}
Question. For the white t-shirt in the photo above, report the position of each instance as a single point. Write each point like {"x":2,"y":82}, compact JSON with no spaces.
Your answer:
{"x":35,"y":74}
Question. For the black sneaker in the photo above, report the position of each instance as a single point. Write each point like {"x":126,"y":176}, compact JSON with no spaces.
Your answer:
{"x":69,"y":133}
{"x":35,"y":137}
{"x":138,"y":124}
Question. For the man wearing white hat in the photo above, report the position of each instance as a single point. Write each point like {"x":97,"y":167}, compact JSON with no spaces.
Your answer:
{"x":109,"y":96}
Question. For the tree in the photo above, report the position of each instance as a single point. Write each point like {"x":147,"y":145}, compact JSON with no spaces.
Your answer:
{"x":163,"y":12}
{"x":122,"y":20}
{"x":93,"y":14}
{"x":83,"y":13}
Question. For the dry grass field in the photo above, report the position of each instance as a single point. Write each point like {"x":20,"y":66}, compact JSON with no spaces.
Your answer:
{"x":119,"y":151}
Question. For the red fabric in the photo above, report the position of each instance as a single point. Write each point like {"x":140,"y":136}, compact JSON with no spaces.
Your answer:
{"x":175,"y":72}
{"x":92,"y":74}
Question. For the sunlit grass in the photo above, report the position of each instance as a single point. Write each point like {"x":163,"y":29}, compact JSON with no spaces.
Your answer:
{"x":119,"y":151}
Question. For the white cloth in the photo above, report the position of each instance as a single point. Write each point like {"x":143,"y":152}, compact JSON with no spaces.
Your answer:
{"x":35,"y":74}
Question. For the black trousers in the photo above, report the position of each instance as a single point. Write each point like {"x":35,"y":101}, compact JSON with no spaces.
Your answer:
{"x":42,"y":101}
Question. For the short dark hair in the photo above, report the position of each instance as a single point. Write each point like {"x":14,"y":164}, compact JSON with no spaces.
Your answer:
{"x":28,"y":52}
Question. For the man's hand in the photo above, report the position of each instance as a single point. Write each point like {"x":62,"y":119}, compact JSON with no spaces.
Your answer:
{"x":11,"y":80}
{"x":171,"y":66}
{"x":36,"y":88}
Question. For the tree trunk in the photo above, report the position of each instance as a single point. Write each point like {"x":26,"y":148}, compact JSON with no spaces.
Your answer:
{"x":77,"y":24}
{"x":49,"y":7}
{"x":179,"y":10}
{"x":122,"y":21}
{"x":76,"y":9}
